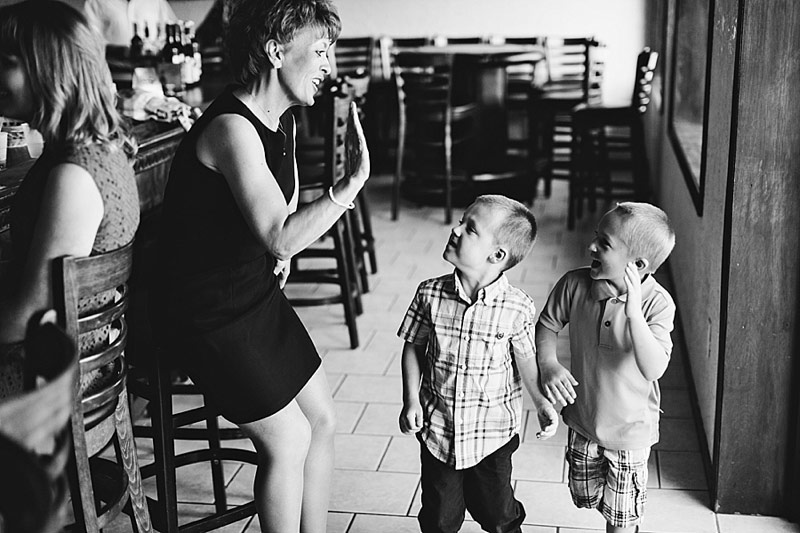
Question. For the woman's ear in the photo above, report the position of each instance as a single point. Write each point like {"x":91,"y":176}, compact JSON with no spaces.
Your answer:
{"x":274,"y":53}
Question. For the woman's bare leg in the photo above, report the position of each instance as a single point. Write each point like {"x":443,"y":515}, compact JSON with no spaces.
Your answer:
{"x":317,"y":405}
{"x":281,"y":441}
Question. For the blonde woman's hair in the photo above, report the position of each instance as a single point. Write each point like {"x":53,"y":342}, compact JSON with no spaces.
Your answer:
{"x":516,"y":228}
{"x":64,"y":59}
{"x":646,"y":231}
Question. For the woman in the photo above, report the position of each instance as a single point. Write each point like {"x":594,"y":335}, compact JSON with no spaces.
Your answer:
{"x":229,"y":229}
{"x":80,"y":196}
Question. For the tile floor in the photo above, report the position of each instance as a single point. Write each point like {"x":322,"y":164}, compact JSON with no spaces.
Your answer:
{"x":376,"y":483}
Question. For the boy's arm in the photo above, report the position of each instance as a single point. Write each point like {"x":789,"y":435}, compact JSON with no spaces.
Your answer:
{"x":411,"y":415}
{"x":651,"y":357}
{"x":558,"y":384}
{"x":548,"y":417}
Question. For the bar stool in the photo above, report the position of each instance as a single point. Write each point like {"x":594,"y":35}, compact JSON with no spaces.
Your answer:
{"x":321,"y":159}
{"x":91,"y":297}
{"x":356,"y":60}
{"x":435,"y":138}
{"x":154,"y":380}
{"x":574,"y":75}
{"x":607,"y":139}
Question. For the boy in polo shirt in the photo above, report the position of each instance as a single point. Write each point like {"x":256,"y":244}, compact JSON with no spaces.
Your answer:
{"x":469,"y":338}
{"x":620,"y":322}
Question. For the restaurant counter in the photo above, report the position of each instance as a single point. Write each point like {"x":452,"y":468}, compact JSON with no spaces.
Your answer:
{"x":157,"y":143}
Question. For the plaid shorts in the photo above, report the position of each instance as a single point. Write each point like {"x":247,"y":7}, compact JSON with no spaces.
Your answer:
{"x":612,"y":481}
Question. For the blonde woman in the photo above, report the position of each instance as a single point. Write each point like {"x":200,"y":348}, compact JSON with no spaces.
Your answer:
{"x":80,"y":197}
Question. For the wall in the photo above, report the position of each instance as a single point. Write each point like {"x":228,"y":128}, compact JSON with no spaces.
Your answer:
{"x":736,"y":267}
{"x":617,"y":23}
{"x":697,"y":260}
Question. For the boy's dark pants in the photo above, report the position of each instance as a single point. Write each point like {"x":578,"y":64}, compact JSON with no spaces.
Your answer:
{"x":484,"y":489}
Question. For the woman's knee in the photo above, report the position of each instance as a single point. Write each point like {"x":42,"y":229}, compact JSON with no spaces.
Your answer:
{"x":285,"y":436}
{"x":323,"y":422}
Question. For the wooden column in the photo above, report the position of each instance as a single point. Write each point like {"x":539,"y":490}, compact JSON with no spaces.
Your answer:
{"x":756,"y":397}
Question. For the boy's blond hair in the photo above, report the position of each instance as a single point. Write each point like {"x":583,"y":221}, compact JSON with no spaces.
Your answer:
{"x":646,"y":230}
{"x":516,"y":229}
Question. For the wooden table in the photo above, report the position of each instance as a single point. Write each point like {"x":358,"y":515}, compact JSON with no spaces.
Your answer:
{"x":480,"y":75}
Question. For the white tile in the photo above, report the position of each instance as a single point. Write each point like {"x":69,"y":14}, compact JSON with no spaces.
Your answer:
{"x":370,"y":389}
{"x":729,"y":523}
{"x":347,"y":415}
{"x":550,"y":504}
{"x":359,"y":452}
{"x":678,"y":511}
{"x":681,"y":470}
{"x":380,"y":419}
{"x":538,"y":463}
{"x":402,"y":456}
{"x":372,"y":492}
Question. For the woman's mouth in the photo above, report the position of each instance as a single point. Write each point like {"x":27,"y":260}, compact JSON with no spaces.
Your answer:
{"x":596,"y":264}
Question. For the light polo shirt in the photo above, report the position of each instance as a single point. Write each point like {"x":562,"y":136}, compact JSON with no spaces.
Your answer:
{"x":616,"y":406}
{"x":471,"y":392}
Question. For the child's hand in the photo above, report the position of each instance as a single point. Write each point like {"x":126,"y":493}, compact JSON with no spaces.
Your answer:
{"x":633,"y":283}
{"x":548,"y":420}
{"x":557,"y":383}
{"x":411,"y":417}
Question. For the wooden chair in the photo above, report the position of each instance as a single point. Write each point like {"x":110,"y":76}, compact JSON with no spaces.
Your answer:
{"x":154,"y":380}
{"x":435,"y":135}
{"x":521,"y":76}
{"x":354,"y":56}
{"x":321,"y":159}
{"x":100,"y":488}
{"x":358,"y":62}
{"x":574,"y":73}
{"x":606,"y":139}
{"x":464,"y":40}
{"x":34,"y":433}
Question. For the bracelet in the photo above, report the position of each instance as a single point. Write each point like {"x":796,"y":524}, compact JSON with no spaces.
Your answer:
{"x":351,"y":205}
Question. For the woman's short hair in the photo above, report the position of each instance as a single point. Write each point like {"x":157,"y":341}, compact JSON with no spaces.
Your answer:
{"x":64,"y":59}
{"x":255,"y":22}
{"x":646,"y":231}
{"x":516,"y":229}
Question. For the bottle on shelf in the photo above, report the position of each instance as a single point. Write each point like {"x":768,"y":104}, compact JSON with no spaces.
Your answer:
{"x":170,"y":65}
{"x":137,"y":43}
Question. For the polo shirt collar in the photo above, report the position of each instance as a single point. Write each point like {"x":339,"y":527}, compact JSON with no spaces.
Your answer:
{"x":488,"y":293}
{"x":602,"y":289}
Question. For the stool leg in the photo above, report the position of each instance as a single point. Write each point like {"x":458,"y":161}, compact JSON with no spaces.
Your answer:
{"x":164,"y":444}
{"x":345,"y":275}
{"x":369,"y":237}
{"x":217,"y":473}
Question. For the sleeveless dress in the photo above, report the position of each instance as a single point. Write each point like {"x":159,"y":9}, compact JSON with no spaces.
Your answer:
{"x":217,"y":307}
{"x":113,"y":174}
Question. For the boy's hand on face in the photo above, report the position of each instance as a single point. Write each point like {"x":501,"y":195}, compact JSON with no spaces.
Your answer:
{"x":558,"y":383}
{"x":548,"y":420}
{"x":411,"y":417}
{"x":633,"y":283}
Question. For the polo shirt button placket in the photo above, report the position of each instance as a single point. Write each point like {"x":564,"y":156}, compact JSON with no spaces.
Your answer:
{"x":607,"y":323}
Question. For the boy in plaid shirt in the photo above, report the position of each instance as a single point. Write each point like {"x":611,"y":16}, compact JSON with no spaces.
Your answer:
{"x":469,"y":338}
{"x":619,"y":338}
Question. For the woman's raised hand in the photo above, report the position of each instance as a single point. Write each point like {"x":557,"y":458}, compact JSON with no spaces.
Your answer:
{"x":358,"y":164}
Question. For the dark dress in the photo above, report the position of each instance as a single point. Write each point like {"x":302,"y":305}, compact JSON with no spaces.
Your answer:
{"x":217,"y":306}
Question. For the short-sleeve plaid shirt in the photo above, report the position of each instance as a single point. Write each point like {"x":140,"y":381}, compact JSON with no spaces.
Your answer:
{"x":471,"y":391}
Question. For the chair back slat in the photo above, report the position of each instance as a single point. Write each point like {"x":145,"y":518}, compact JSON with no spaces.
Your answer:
{"x":354,"y":56}
{"x":643,"y":84}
